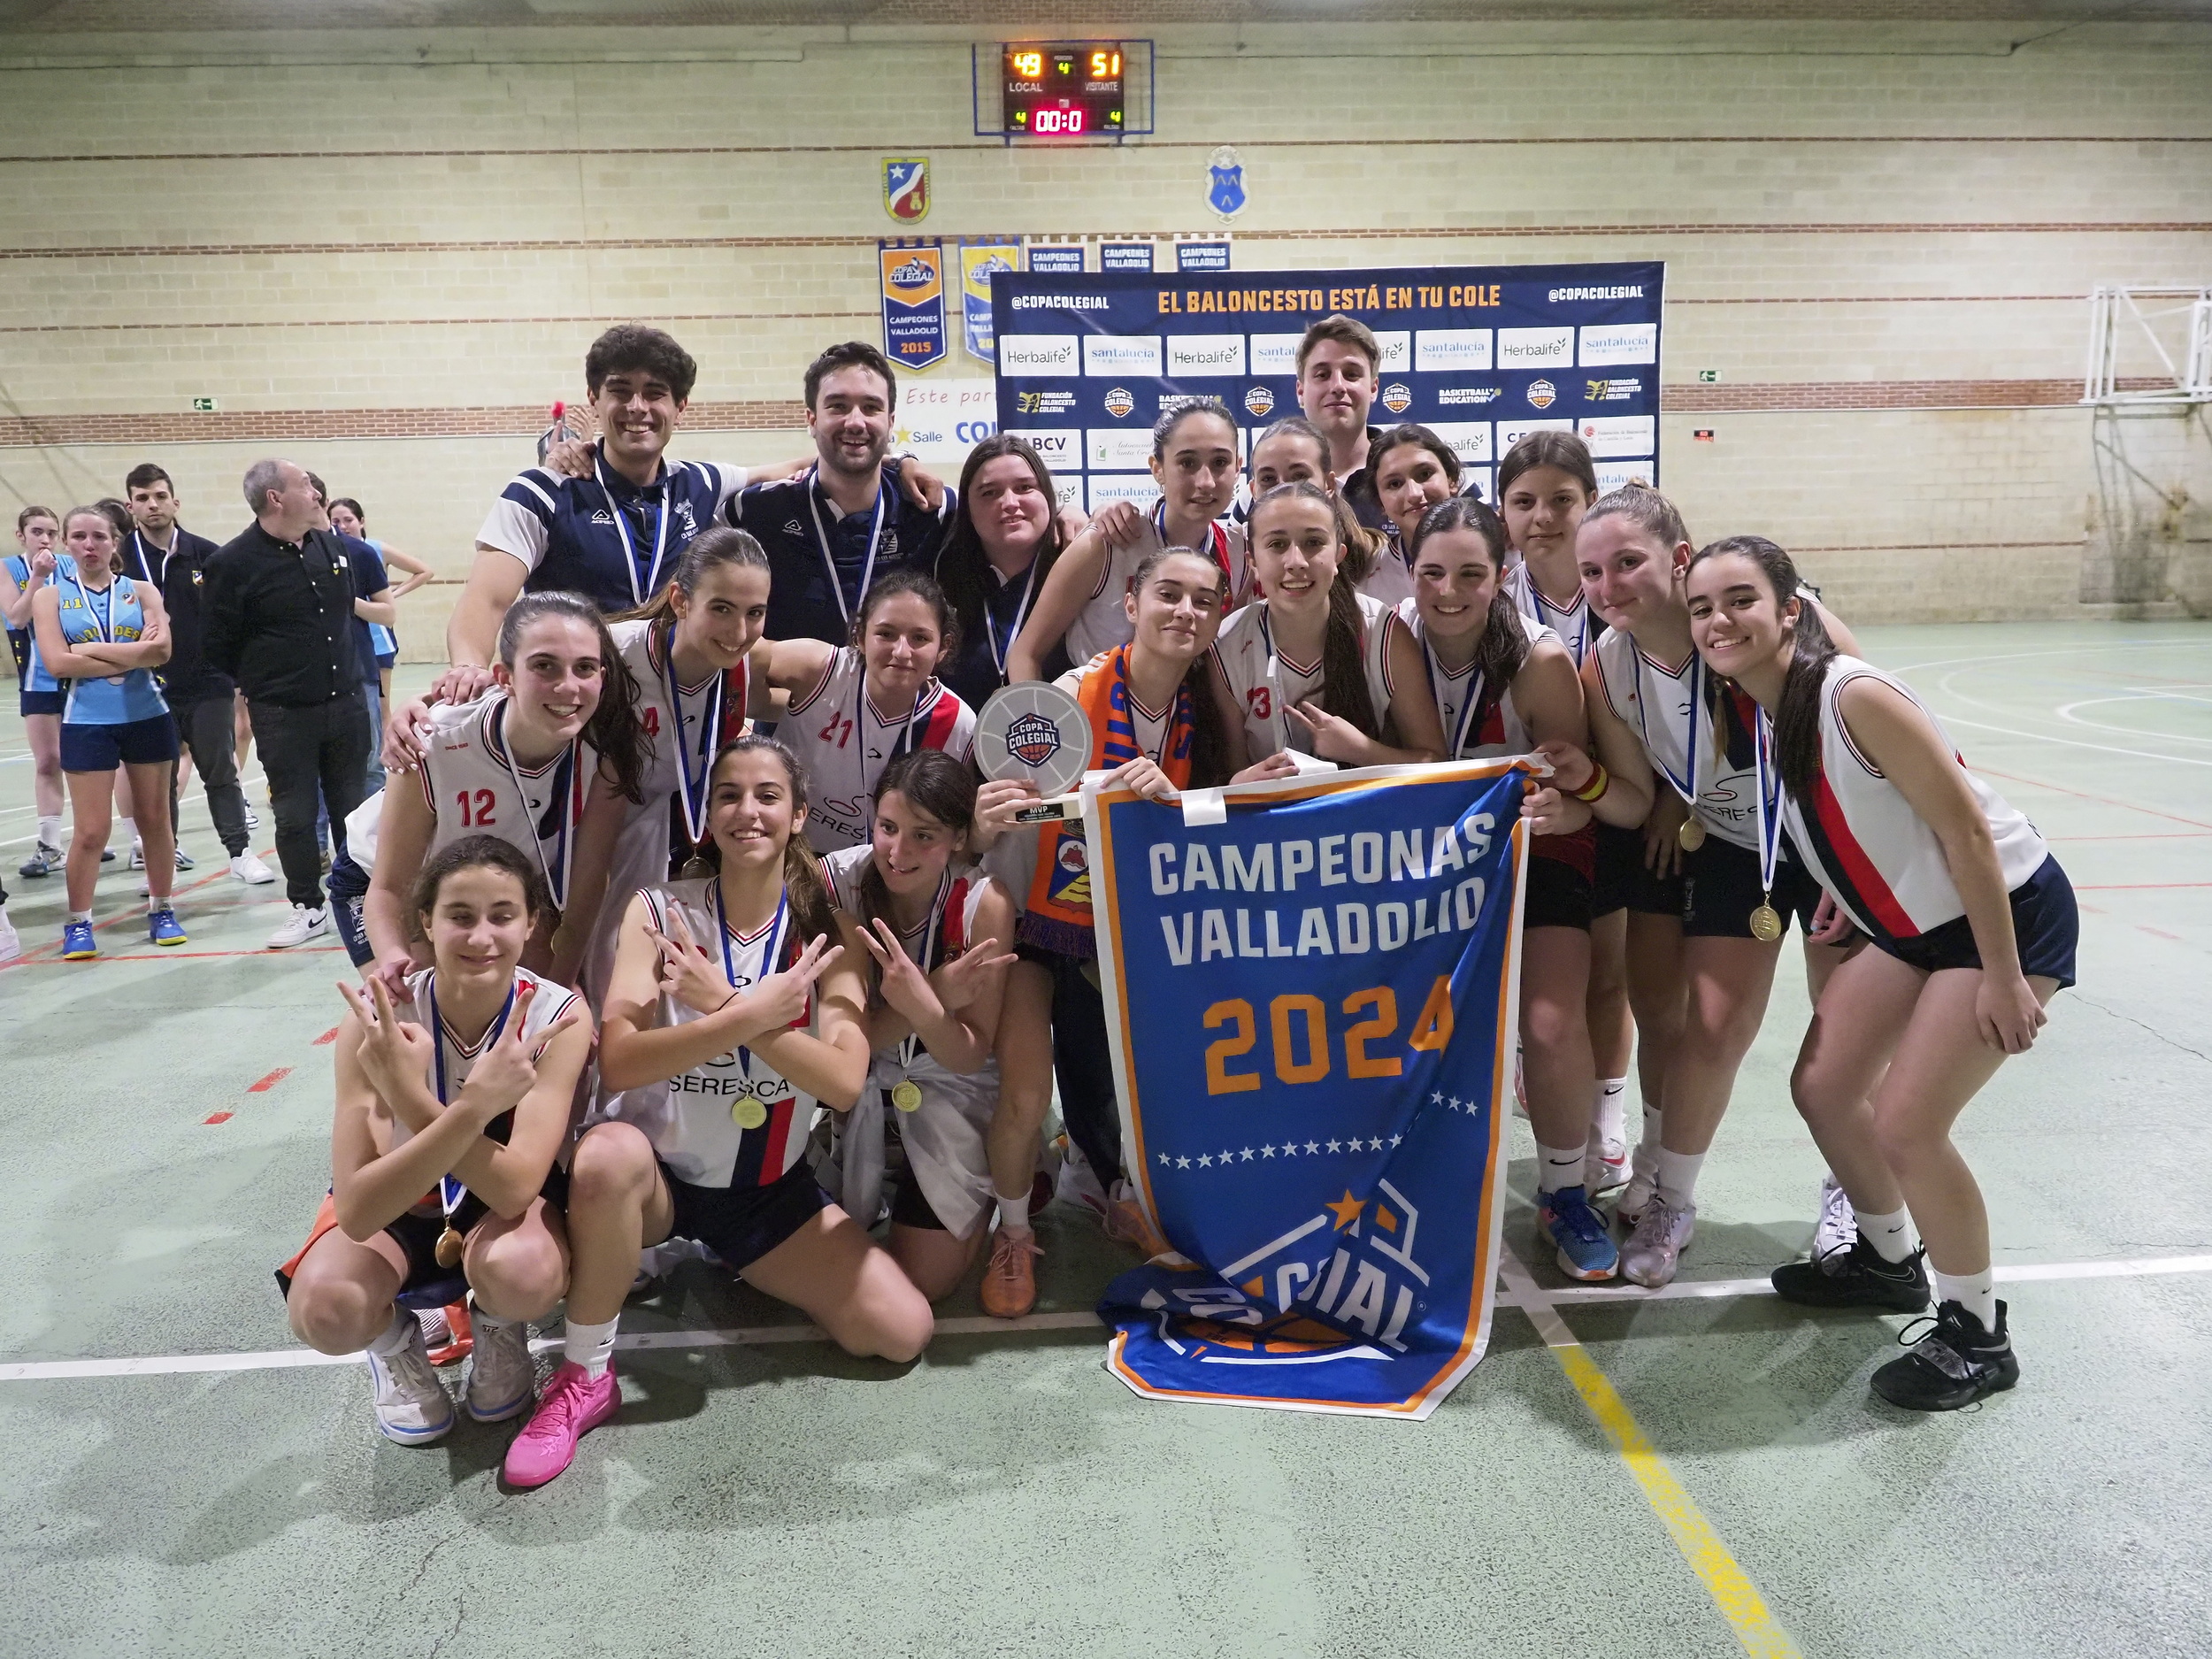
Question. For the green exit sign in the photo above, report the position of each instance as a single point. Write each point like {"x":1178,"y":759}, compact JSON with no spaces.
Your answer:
{"x":1708,"y":377}
{"x":203,"y":405}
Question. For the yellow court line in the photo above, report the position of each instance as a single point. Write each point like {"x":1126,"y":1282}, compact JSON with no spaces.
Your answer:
{"x":1728,"y":1584}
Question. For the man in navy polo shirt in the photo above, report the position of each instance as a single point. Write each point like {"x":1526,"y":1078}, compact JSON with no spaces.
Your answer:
{"x":834,"y":528}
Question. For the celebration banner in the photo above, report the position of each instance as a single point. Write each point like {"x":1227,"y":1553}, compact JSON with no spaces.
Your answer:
{"x":979,"y":262}
{"x":1482,"y":354}
{"x":914,"y":334}
{"x":1325,"y":973}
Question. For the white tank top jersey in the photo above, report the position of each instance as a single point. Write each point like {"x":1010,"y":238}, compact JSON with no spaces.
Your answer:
{"x":1865,"y":844}
{"x":550,"y":1003}
{"x":844,"y":744}
{"x":1392,"y":579}
{"x":1653,"y":702}
{"x":946,"y":1136}
{"x":1497,"y":727}
{"x":692,"y":1119}
{"x":1261,"y":681}
{"x":1577,"y":623}
{"x":1103,"y":623}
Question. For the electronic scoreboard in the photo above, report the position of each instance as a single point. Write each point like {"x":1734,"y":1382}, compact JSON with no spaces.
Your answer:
{"x":1065,"y":88}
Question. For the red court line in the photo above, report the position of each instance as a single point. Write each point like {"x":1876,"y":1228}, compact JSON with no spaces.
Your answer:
{"x":2161,"y":933}
{"x":329,"y":1036}
{"x":33,"y":957}
{"x":270,"y":1081}
{"x":219,"y":1117}
{"x":2082,"y":795}
{"x":168,"y":955}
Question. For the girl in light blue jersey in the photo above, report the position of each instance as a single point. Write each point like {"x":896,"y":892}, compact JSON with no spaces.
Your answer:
{"x":106,"y":633}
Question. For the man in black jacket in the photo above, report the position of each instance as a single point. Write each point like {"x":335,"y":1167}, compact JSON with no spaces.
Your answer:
{"x":278,"y":617}
{"x":162,"y":551}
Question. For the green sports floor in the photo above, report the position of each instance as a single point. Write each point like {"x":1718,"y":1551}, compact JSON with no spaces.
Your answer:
{"x":1695,"y":1472}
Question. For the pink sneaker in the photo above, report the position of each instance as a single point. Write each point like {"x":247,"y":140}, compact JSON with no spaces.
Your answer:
{"x":572,"y":1406}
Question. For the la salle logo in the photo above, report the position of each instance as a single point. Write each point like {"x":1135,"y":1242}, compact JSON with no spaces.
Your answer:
{"x":906,"y":188}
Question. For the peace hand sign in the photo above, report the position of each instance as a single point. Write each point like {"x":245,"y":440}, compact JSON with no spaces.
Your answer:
{"x":509,"y":1070}
{"x":960,"y":981}
{"x":779,"y":1000}
{"x":1335,"y":738}
{"x":392,"y":1050}
{"x":687,"y":973}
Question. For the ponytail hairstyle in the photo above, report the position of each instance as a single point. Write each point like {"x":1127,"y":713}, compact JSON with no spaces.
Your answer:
{"x":962,"y":564}
{"x":475,"y":852}
{"x":1644,"y":508}
{"x":715,"y":546}
{"x":923,"y":587}
{"x":1210,"y":766}
{"x":1164,"y":429}
{"x":802,"y":873}
{"x":1362,"y":546}
{"x":933,"y":783}
{"x":1503,"y":647}
{"x":1797,"y":715}
{"x":23,"y":520}
{"x":1343,"y":675}
{"x":613,"y":729}
{"x":1562,"y":449}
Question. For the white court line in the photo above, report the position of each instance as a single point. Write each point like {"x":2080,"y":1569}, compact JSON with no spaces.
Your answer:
{"x":199,"y":799}
{"x":1524,"y":1294}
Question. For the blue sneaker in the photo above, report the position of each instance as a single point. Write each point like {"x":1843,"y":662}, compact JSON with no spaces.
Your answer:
{"x":1584,"y":1243}
{"x":76,"y":942}
{"x":162,"y":928}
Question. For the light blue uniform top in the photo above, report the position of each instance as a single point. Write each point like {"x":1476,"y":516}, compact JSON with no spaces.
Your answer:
{"x":114,"y":614}
{"x":35,"y":675}
{"x":385,"y":640}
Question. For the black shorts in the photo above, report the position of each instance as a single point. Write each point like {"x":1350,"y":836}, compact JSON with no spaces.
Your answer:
{"x":742,"y":1224}
{"x":348,"y":883}
{"x":94,"y":749}
{"x":1620,"y":861}
{"x":30,"y":702}
{"x":909,"y":1205}
{"x":1558,"y":894}
{"x":1720,"y":889}
{"x":2045,"y":925}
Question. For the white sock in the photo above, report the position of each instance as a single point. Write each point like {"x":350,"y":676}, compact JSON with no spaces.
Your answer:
{"x":482,"y":1321}
{"x":1557,"y":1167}
{"x":80,"y":916}
{"x":49,"y":832}
{"x":1013,"y":1213}
{"x":1608,"y":1111}
{"x":396,"y":1335}
{"x":1891,"y":1235}
{"x":1678,"y":1178}
{"x":156,"y":902}
{"x":1645,"y":1159}
{"x":590,"y":1345}
{"x":1977,"y":1293}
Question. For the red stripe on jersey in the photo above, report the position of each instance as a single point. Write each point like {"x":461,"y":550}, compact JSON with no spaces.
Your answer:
{"x":956,"y":920}
{"x":799,"y":704}
{"x":1856,"y":869}
{"x":944,"y":716}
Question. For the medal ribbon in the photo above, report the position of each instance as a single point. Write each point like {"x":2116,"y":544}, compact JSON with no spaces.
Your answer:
{"x":622,"y":529}
{"x":450,"y":1191}
{"x":568,"y":778}
{"x":1769,"y":802}
{"x":1000,"y":648}
{"x":829,"y":559}
{"x":864,"y":711}
{"x":911,"y":1043}
{"x":776,"y":929}
{"x":1685,"y":786}
{"x":693,"y":791}
{"x":1465,"y":725}
{"x":1217,"y":538}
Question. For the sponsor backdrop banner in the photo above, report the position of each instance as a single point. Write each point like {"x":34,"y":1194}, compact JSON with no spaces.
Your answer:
{"x":1483,"y":354}
{"x":1326,"y":975}
{"x":914,"y":334}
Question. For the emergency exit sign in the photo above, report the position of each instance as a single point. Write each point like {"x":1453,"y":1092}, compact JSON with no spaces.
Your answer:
{"x":203,"y":405}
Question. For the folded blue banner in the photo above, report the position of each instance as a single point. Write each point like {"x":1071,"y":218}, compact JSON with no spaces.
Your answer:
{"x":1325,"y":981}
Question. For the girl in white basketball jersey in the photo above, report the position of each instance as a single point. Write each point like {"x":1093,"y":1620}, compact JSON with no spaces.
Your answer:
{"x":451,"y":1103}
{"x":1974,"y":929}
{"x":1699,"y":971}
{"x":734,"y":1018}
{"x":937,"y":930}
{"x":694,"y":653}
{"x":1316,"y":666}
{"x":1412,"y":469}
{"x":549,"y":759}
{"x":855,"y":707}
{"x":1505,"y":687}
{"x":1194,"y":463}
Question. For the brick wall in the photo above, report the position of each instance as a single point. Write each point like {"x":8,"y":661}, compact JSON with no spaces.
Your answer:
{"x":385,"y":250}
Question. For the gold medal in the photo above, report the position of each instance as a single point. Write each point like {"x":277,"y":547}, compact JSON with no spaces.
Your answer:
{"x":1691,"y":836}
{"x":748,"y":1113}
{"x":906,"y":1094}
{"x":696,"y":868}
{"x":1766,"y":924}
{"x":449,"y":1246}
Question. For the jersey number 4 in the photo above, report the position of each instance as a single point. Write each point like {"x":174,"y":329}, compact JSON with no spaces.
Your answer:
{"x":650,"y":720}
{"x":476,"y":808}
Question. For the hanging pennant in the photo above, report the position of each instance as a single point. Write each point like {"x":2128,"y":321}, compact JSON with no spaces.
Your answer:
{"x":979,"y":262}
{"x":913,"y":302}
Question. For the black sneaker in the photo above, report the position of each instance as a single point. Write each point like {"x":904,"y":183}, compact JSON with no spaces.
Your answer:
{"x":1861,"y":1278}
{"x":1953,"y":1365}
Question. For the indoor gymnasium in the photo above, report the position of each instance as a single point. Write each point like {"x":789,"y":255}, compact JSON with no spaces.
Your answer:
{"x":1304,"y":828}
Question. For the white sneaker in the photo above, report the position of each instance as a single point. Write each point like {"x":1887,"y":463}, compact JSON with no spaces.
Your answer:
{"x":138,"y":854}
{"x":411,"y":1404}
{"x":11,"y":942}
{"x":253,"y":818}
{"x":303,"y":925}
{"x":1636,"y":1197}
{"x":1651,"y":1256}
{"x":1837,"y":1230}
{"x":502,"y":1381}
{"x":1604,"y":1166}
{"x":251,"y":871}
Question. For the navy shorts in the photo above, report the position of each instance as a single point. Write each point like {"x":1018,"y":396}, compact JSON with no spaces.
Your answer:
{"x":145,"y":742}
{"x":1720,"y":889}
{"x":348,"y":883}
{"x":2046,"y":927}
{"x":42,"y":703}
{"x":742,"y":1224}
{"x":1619,"y":861}
{"x":1558,"y":894}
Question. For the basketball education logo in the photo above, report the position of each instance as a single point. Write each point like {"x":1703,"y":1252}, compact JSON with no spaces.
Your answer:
{"x":1542,"y":395}
{"x":1032,"y":740}
{"x":906,"y":188}
{"x":1258,"y":401}
{"x":1119,"y":403}
{"x":1396,"y":398}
